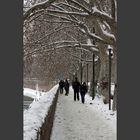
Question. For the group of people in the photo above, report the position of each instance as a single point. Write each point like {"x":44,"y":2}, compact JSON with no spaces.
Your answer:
{"x":77,"y":87}
{"x":64,"y":85}
{"x":82,"y":88}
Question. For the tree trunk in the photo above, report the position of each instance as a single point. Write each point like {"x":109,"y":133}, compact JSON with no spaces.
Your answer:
{"x":103,"y":76}
{"x":114,"y":79}
{"x":114,"y":106}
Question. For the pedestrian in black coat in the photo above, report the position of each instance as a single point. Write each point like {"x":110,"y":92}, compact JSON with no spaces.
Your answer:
{"x":66,"y":86}
{"x":83,"y":91}
{"x":76,"y":88}
{"x":61,"y":86}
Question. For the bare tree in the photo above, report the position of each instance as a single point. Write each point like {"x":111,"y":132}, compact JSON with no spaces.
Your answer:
{"x":68,"y":25}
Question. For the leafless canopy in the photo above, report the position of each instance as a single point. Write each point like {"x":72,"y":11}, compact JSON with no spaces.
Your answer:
{"x":58,"y":31}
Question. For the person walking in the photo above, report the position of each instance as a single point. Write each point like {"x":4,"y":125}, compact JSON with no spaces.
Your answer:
{"x":61,"y":86}
{"x":83,"y":91}
{"x":66,"y":86}
{"x":76,"y":88}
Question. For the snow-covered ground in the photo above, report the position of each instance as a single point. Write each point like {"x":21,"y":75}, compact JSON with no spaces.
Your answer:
{"x":73,"y":120}
{"x":77,"y":121}
{"x":112,"y":87}
{"x":35,"y":94}
{"x":34,"y":116}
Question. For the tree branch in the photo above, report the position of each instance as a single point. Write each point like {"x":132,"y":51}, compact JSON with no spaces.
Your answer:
{"x":37,"y":7}
{"x":68,"y":13}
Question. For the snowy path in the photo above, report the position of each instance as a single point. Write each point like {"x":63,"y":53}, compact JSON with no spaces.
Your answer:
{"x":77,"y":121}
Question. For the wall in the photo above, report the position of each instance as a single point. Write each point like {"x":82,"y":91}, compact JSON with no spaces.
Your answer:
{"x":46,"y":129}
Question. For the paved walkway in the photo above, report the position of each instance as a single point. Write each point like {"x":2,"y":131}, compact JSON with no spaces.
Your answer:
{"x":77,"y":121}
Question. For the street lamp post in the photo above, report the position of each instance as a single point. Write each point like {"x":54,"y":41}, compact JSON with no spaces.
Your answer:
{"x":81,"y":67}
{"x":81,"y":71}
{"x":93,"y":90}
{"x":87,"y":74}
{"x":76,"y":74}
{"x":73,"y":75}
{"x":109,"y":81}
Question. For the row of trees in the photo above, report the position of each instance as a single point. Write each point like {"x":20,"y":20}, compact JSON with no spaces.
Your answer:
{"x":58,"y":34}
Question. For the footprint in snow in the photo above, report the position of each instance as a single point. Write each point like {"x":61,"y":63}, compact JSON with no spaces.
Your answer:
{"x":108,"y":118}
{"x":112,"y":114}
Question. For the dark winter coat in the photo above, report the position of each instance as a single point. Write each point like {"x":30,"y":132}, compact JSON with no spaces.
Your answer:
{"x":66,"y":85}
{"x":76,"y":85}
{"x":83,"y":89}
{"x":61,"y":84}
